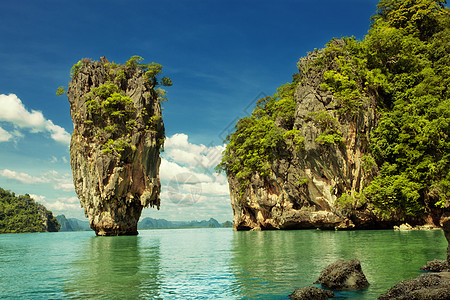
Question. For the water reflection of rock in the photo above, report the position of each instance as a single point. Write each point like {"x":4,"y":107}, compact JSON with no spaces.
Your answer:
{"x":124,"y":267}
{"x":270,"y":262}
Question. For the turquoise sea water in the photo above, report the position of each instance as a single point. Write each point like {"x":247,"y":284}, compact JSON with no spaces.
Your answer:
{"x":204,"y":263}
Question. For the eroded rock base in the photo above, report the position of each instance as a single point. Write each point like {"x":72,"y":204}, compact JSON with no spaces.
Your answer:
{"x":426,"y":286}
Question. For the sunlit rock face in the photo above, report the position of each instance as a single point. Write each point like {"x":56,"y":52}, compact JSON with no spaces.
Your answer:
{"x":303,"y":187}
{"x":115,"y":146}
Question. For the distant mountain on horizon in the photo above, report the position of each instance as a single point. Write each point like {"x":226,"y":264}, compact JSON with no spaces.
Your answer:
{"x":148,"y":223}
{"x":73,"y":224}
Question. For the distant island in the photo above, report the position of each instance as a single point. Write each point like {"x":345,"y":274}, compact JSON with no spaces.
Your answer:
{"x":72,"y":224}
{"x":20,"y":214}
{"x":149,"y":223}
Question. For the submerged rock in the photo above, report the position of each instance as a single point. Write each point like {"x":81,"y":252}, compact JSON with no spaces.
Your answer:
{"x":311,"y":293}
{"x":434,"y":286}
{"x":116,"y":141}
{"x":343,"y":275}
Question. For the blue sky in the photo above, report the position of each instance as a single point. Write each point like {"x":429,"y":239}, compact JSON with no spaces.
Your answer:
{"x":220,"y":55}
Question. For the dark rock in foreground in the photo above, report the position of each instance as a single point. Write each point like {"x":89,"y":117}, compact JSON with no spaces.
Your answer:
{"x":446,"y":227}
{"x":425,"y":286}
{"x":343,"y":275}
{"x":436,"y":266}
{"x":311,"y":293}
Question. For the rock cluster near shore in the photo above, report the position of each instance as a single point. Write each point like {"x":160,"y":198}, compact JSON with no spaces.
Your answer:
{"x":434,"y":286}
{"x":343,"y":275}
{"x":115,"y":145}
{"x":311,"y":293}
{"x":426,"y":286}
{"x":337,"y":276}
{"x":406,"y":226}
{"x":436,"y":266}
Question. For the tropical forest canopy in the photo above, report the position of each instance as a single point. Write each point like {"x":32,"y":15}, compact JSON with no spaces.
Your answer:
{"x":404,"y":64}
{"x":23,"y":214}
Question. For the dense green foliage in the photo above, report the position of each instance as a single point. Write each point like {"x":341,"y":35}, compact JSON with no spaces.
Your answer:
{"x":409,"y":45}
{"x":262,"y":137}
{"x":23,"y":214}
{"x":111,"y":114}
{"x":60,"y":91}
{"x":404,"y":65}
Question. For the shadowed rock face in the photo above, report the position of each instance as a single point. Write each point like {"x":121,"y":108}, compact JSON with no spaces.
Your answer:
{"x":446,"y":228}
{"x":115,"y":145}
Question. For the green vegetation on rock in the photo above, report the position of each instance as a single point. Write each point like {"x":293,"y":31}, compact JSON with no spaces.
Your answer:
{"x":330,"y":128}
{"x":110,"y":114}
{"x":22,"y":214}
{"x":262,"y":137}
{"x":403,"y":64}
{"x":409,"y":46}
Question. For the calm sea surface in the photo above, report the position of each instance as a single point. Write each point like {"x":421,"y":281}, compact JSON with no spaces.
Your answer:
{"x":204,"y":263}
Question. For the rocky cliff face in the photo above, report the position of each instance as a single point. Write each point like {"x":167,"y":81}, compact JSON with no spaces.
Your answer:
{"x":304,"y":186}
{"x":116,"y":141}
{"x":446,"y":227}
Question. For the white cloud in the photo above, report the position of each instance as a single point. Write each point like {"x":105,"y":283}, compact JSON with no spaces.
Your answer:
{"x":58,"y":133}
{"x":178,"y":149}
{"x":59,"y":181}
{"x":215,"y":189}
{"x":72,"y":199}
{"x":58,"y":206}
{"x":22,"y":177}
{"x":4,"y":135}
{"x":38,"y":198}
{"x":14,"y":111}
{"x":17,"y":134}
{"x":169,"y":171}
{"x":190,"y":186}
{"x":62,"y":204}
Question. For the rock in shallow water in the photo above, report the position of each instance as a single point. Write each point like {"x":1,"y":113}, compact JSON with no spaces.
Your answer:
{"x":436,"y":266}
{"x":116,"y":141}
{"x":426,"y":286}
{"x":311,"y":293}
{"x":343,"y":275}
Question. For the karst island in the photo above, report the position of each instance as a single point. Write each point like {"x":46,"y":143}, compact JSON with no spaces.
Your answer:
{"x":116,"y":141}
